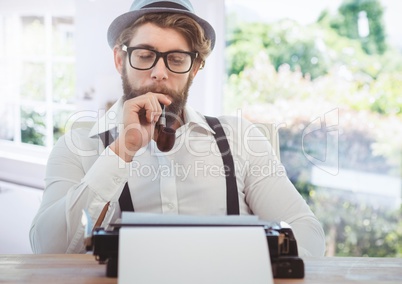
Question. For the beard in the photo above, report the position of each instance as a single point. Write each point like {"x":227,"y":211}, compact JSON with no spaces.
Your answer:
{"x":174,"y":111}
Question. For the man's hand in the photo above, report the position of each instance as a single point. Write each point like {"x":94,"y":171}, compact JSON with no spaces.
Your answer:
{"x":140,"y":115}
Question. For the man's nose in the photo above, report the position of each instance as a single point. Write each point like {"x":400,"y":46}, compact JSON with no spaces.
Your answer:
{"x":160,"y":71}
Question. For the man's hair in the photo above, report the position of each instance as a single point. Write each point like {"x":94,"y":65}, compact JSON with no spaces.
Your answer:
{"x":190,"y":29}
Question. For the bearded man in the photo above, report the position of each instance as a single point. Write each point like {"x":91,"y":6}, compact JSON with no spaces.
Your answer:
{"x":118,"y":165}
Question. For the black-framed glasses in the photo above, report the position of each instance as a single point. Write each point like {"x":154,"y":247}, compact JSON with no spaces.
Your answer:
{"x":141,"y":58}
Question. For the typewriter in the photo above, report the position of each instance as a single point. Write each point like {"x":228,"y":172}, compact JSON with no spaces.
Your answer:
{"x":285,"y":263}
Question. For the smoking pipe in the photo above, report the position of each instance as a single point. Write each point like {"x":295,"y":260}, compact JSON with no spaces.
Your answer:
{"x":166,"y":135}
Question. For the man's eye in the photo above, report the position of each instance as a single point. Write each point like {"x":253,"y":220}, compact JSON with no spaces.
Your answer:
{"x":144,"y":55}
{"x":177,"y":59}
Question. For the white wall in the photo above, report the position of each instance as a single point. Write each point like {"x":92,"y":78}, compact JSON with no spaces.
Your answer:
{"x":207,"y":91}
{"x":95,"y":67}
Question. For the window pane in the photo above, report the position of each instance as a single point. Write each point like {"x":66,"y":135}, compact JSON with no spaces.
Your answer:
{"x":63,"y":82}
{"x":33,"y":126}
{"x":33,"y":81}
{"x":63,"y":36}
{"x":37,"y":67}
{"x":335,"y":96}
{"x":33,"y":35}
{"x":60,"y":119}
{"x":7,"y":111}
{"x":7,"y":85}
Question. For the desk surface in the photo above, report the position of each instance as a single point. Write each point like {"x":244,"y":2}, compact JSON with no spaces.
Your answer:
{"x":84,"y":269}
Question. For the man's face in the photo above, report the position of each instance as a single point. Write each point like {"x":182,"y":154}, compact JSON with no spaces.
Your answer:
{"x":158,"y":79}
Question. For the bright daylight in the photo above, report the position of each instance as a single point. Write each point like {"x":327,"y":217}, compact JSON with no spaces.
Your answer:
{"x":201,"y":141}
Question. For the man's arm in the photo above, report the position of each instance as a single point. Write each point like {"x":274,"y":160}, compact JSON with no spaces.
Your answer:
{"x":75,"y":181}
{"x":270,"y":194}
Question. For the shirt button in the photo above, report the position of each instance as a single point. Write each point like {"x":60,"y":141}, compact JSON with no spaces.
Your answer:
{"x":116,"y":180}
{"x":170,"y":206}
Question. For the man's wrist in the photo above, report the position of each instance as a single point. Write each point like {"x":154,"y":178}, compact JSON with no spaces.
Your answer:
{"x":122,"y":151}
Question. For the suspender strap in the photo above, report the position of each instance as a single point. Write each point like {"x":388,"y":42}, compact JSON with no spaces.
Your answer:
{"x":106,"y":138}
{"x":232,"y":196}
{"x":125,"y":201}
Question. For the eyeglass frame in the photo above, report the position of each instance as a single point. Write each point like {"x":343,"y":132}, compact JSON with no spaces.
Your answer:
{"x":164,"y":55}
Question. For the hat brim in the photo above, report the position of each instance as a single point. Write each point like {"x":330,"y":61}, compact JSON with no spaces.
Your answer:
{"x":125,"y":20}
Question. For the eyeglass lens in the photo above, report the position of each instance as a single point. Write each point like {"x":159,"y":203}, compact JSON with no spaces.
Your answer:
{"x":144,"y":59}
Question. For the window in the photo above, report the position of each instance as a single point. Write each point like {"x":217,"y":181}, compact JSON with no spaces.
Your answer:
{"x":37,"y":77}
{"x":330,"y":79}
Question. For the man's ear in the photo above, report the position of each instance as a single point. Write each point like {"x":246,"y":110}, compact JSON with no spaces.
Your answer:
{"x":118,"y":59}
{"x":197,"y":66}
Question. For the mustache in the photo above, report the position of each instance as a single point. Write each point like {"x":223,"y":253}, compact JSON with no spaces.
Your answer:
{"x":151,"y":89}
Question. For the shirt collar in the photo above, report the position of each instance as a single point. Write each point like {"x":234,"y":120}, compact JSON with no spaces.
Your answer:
{"x":109,"y":120}
{"x":192,"y":117}
{"x":114,"y":116}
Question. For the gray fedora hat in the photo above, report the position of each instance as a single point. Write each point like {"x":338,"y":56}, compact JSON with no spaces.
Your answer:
{"x":142,"y":7}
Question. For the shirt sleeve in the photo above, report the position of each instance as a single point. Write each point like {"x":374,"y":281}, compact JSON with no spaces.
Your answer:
{"x":269,"y":193}
{"x":80,"y":175}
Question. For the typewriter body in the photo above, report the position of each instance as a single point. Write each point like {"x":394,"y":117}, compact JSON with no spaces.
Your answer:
{"x":285,"y":263}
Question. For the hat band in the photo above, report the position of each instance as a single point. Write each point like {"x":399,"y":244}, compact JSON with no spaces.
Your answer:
{"x":165,"y":4}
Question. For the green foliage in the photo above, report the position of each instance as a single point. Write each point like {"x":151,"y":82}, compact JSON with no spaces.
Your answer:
{"x":286,"y":41}
{"x":315,"y":52}
{"x":346,"y":24}
{"x":354,"y":227}
{"x":290,"y":74}
{"x":298,"y":46}
{"x":384,"y":95}
{"x":33,"y":127}
{"x":243,"y":42}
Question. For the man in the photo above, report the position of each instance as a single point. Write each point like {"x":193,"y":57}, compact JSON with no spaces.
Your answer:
{"x":158,"y":47}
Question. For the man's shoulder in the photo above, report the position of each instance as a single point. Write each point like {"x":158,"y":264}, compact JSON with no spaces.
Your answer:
{"x":78,"y":131}
{"x":234,"y":121}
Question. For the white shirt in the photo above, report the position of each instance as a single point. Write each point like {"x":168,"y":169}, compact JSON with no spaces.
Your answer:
{"x":189,"y":179}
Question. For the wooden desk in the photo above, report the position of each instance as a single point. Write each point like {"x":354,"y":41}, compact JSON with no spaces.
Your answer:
{"x":84,"y":269}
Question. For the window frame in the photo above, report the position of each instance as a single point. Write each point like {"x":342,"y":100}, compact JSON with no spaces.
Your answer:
{"x":25,"y":163}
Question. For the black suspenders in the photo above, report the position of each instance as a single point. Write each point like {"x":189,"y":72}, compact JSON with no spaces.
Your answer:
{"x":232,"y":197}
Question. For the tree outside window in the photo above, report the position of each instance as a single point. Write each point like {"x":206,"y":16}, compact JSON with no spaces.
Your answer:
{"x":332,"y":88}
